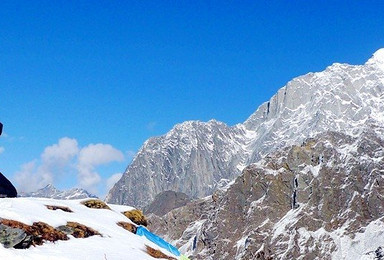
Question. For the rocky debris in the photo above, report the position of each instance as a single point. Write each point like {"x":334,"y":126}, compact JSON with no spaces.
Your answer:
{"x":166,"y":201}
{"x":7,"y":190}
{"x":293,"y":204}
{"x":63,"y":208}
{"x":127,"y":226}
{"x":34,"y":235}
{"x":78,"y":230}
{"x":95,"y":204}
{"x":21,"y":236}
{"x":157,"y":253}
{"x":379,"y":253}
{"x":136,"y":216}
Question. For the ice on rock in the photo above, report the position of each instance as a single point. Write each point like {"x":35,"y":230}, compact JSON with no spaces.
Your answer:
{"x":194,"y":156}
{"x":377,"y":59}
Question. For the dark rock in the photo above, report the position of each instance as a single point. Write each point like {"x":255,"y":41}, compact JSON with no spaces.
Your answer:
{"x":258,"y":217}
{"x":10,"y":237}
{"x":78,"y":230}
{"x":166,"y":201}
{"x":6,"y":188}
{"x":36,"y":234}
{"x":379,"y":253}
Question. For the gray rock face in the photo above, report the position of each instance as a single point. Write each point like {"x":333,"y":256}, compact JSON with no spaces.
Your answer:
{"x":10,"y":237}
{"x":196,"y":158}
{"x":50,"y":191}
{"x":166,"y":201}
{"x":322,"y":199}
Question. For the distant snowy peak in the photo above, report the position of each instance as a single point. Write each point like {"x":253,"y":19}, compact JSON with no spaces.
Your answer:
{"x":50,"y":191}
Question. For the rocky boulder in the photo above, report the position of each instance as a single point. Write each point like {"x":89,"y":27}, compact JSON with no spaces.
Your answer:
{"x":10,"y":236}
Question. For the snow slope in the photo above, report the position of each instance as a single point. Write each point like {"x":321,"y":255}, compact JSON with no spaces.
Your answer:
{"x":114,"y":244}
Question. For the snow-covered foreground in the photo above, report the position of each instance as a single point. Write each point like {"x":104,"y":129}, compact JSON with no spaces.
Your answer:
{"x":115,"y":242}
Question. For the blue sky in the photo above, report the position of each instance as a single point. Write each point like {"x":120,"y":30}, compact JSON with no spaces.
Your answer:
{"x":85,"y":83}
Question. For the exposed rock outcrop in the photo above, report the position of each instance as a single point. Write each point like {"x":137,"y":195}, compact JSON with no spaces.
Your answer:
{"x":95,"y":204}
{"x":10,"y":236}
{"x":196,"y":158}
{"x":167,"y":201}
{"x":23,"y":235}
{"x":136,"y":216}
{"x":322,"y":199}
{"x":78,"y":230}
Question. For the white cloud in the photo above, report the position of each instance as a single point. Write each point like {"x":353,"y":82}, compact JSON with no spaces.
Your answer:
{"x":111,"y":181}
{"x":2,"y":149}
{"x":60,"y":153}
{"x":97,"y":154}
{"x":92,"y":156}
{"x":65,"y":160}
{"x":53,"y":164}
{"x":30,"y":178}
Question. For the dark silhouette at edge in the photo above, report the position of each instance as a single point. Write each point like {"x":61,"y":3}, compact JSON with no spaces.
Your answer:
{"x":6,"y":187}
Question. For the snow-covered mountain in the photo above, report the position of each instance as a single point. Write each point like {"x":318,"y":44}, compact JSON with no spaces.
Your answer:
{"x":50,"y":191}
{"x":48,"y":229}
{"x":193,"y":158}
{"x":196,"y":158}
{"x":321,"y":199}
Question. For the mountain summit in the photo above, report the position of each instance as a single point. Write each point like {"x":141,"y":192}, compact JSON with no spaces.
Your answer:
{"x":196,"y":157}
{"x":377,"y":59}
{"x":50,"y":191}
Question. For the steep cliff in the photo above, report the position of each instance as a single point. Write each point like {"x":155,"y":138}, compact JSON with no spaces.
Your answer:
{"x":321,"y":199}
{"x":196,"y":158}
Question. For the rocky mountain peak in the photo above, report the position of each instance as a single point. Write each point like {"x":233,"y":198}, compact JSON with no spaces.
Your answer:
{"x":342,"y":98}
{"x":194,"y":157}
{"x":320,"y":199}
{"x":52,"y":192}
{"x":377,"y":59}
